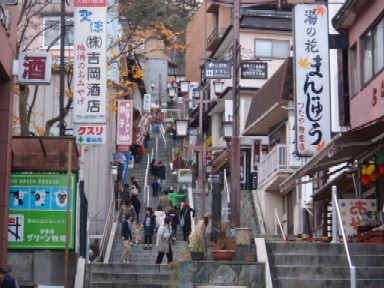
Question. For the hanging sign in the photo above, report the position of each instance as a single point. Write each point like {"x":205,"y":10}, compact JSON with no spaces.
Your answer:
{"x":217,"y":69}
{"x":254,"y":70}
{"x":124,"y":122}
{"x":34,"y":68}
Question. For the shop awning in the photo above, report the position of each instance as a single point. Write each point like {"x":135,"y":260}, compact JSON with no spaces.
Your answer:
{"x":267,"y":104}
{"x":356,"y":144}
{"x":220,"y":160}
{"x":43,"y":154}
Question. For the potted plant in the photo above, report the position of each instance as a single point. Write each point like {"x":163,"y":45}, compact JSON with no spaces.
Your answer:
{"x":197,"y":245}
{"x":224,"y":246}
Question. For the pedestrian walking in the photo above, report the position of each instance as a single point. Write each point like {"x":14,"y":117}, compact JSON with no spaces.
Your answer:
{"x":126,"y":235}
{"x":136,"y":205}
{"x":149,"y":225}
{"x":126,"y":209}
{"x":186,"y":221}
{"x":138,"y":232}
{"x":162,"y":175}
{"x":163,"y":241}
{"x":146,"y":139}
{"x":175,"y":223}
{"x":166,"y":202}
{"x":160,"y":216}
{"x":155,"y":188}
{"x":6,"y":279}
{"x":153,"y":168}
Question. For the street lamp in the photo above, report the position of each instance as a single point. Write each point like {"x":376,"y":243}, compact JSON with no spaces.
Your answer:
{"x":171,"y":92}
{"x":153,"y":86}
{"x":227,"y":131}
{"x":182,"y":128}
{"x":218,"y":87}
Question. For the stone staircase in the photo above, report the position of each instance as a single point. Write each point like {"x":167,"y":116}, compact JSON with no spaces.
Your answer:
{"x":141,"y":270}
{"x":322,"y":265}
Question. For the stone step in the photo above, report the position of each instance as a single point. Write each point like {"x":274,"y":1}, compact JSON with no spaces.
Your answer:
{"x":325,"y":283}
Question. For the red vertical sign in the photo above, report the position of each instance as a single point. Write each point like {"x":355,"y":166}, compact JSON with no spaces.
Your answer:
{"x":256,"y":154}
{"x":124,"y":122}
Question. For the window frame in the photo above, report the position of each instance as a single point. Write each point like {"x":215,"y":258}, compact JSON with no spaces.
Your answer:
{"x":272,"y":53}
{"x":373,"y":69}
{"x":69,"y":22}
{"x":354,"y":70}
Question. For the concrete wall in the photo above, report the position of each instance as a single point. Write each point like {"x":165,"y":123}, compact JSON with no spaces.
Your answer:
{"x":268,"y":202}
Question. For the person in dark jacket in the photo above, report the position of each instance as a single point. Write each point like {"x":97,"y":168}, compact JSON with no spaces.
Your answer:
{"x":126,"y":236}
{"x":162,"y":175}
{"x":6,"y":280}
{"x":137,"y":205}
{"x":149,"y":225}
{"x":186,"y":213}
{"x":155,"y":188}
{"x":153,"y":167}
{"x":175,"y":222}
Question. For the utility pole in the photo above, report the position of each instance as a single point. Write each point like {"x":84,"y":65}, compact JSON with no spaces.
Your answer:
{"x":62,"y":69}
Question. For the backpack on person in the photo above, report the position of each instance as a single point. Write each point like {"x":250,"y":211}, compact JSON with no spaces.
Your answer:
{"x":182,"y":219}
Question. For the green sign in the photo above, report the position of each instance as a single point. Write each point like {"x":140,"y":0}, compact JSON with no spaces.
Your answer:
{"x":38,"y":211}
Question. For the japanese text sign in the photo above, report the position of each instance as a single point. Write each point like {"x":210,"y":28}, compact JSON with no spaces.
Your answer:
{"x":254,"y":70}
{"x":147,"y":102}
{"x":90,"y":62}
{"x":350,"y":210}
{"x":312,"y":87}
{"x":34,"y":68}
{"x":90,"y":134}
{"x":217,"y":70}
{"x":38,"y":211}
{"x":124,"y":122}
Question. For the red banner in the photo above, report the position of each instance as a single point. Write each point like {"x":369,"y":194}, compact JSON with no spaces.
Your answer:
{"x":90,"y":3}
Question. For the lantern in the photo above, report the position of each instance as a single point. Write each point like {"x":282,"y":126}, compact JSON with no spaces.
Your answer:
{"x":375,"y":175}
{"x":381,"y":169}
{"x":366,"y":179}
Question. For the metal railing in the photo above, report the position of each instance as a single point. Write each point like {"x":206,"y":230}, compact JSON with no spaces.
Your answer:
{"x":336,"y":212}
{"x":146,"y":186}
{"x":278,"y":224}
{"x":276,"y":160}
{"x":191,"y":204}
{"x":107,"y":230}
{"x":227,"y":190}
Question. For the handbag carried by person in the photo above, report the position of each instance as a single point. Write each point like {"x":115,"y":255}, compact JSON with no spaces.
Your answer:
{"x":163,"y":245}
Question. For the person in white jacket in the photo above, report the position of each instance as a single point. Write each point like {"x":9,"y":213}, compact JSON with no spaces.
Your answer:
{"x":164,"y":234}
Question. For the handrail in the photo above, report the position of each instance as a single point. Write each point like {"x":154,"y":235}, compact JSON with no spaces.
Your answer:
{"x":190,"y":201}
{"x":162,"y":132}
{"x":277,"y":219}
{"x":334,"y":228}
{"x":146,"y":176}
{"x":226,"y":187}
{"x":107,"y":230}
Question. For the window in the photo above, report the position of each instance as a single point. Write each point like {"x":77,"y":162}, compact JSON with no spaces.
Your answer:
{"x":354,"y":71}
{"x":51,"y":32}
{"x":373,"y":51}
{"x":265,"y":48}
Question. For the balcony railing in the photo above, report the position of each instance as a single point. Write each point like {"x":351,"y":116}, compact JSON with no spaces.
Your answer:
{"x":277,"y":161}
{"x":214,"y":39}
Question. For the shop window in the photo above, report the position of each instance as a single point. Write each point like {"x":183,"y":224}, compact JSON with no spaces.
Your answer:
{"x":52,"y":30}
{"x":373,"y":51}
{"x":265,"y":48}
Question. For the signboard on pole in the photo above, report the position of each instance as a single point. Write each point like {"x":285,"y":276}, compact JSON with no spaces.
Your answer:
{"x":124,"y":122}
{"x":34,"y":68}
{"x":90,"y":62}
{"x":147,"y":102}
{"x":38,"y":211}
{"x":91,"y":134}
{"x":312,"y":88}
{"x":217,"y":69}
{"x":254,"y":70}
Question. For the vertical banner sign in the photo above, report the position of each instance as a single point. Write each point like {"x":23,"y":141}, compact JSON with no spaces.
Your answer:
{"x":256,"y":154}
{"x":243,"y":167}
{"x":311,"y":58}
{"x":124,"y":122}
{"x":90,"y":61}
{"x":147,"y":103}
{"x":38,"y":211}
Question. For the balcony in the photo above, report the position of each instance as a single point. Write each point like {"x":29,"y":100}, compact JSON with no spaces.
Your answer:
{"x":276,"y":167}
{"x":214,"y":39}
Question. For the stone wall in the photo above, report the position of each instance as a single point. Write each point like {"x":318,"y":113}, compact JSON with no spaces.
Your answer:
{"x":213,"y":274}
